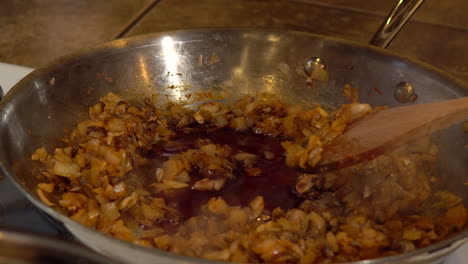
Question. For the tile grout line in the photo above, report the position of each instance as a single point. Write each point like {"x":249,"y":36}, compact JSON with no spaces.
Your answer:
{"x":376,"y":13}
{"x":136,"y":19}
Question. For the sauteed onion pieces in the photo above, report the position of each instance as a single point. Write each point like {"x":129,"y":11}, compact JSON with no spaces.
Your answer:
{"x":130,"y":172}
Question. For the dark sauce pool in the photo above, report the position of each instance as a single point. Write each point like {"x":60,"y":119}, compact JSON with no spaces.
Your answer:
{"x":274,"y":183}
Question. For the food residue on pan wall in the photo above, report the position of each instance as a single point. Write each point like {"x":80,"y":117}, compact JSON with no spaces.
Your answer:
{"x":213,"y":59}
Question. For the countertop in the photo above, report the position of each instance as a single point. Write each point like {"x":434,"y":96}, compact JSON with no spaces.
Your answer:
{"x":36,"y":32}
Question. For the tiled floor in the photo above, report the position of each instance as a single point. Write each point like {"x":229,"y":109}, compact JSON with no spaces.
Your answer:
{"x":35,"y":32}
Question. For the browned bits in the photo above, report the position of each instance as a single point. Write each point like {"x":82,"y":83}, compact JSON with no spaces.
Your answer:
{"x":351,"y":94}
{"x":253,"y":172}
{"x":106,"y":178}
{"x":269,"y":155}
{"x":307,"y":187}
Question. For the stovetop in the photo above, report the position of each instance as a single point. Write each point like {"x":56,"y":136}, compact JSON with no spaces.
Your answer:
{"x":16,"y":211}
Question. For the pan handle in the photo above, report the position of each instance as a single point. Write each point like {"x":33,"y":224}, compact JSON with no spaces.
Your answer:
{"x":396,"y":19}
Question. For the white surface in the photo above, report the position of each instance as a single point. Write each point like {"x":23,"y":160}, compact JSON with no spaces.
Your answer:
{"x":11,"y":74}
{"x":460,"y":256}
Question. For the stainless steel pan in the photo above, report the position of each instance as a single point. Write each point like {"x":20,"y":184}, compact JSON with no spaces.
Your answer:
{"x":38,"y":109}
{"x":25,"y":248}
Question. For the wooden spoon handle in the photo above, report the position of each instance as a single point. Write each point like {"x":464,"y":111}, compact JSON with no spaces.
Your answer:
{"x":387,"y":129}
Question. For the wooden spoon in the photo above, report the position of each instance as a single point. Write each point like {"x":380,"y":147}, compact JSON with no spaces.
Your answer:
{"x":385,"y":130}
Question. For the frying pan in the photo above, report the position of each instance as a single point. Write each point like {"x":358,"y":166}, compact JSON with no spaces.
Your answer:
{"x":233,"y":62}
{"x":17,"y":247}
